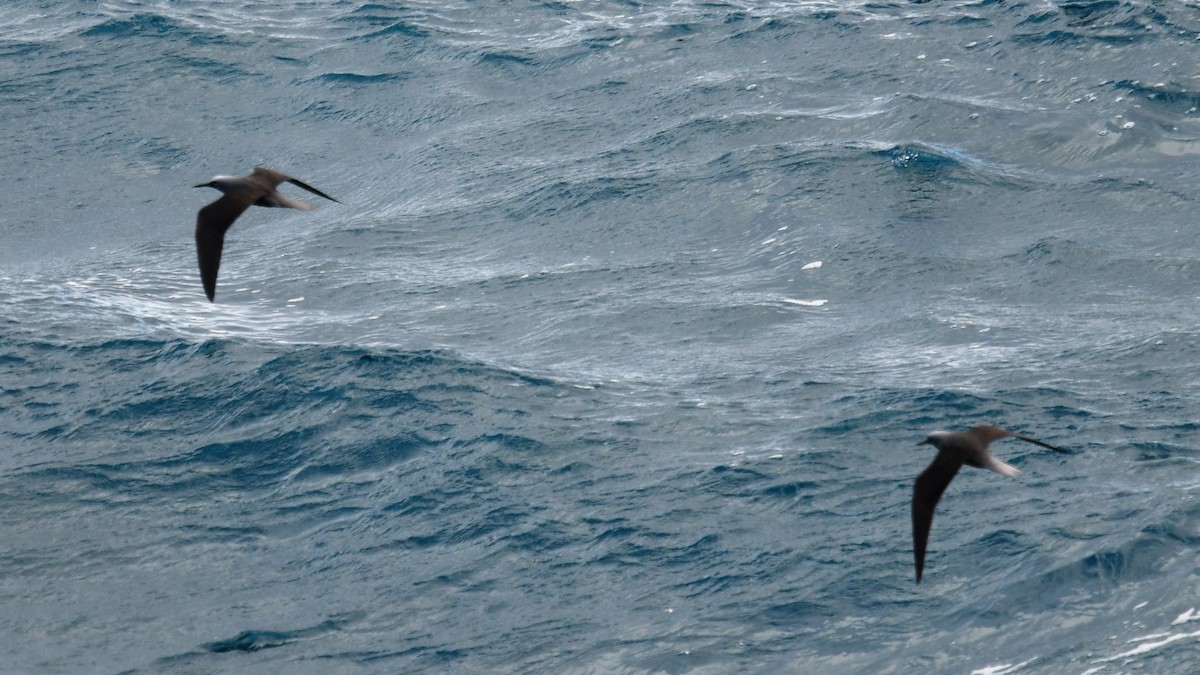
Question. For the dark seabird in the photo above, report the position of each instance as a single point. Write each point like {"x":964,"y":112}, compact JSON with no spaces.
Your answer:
{"x":240,"y":193}
{"x":954,"y":449}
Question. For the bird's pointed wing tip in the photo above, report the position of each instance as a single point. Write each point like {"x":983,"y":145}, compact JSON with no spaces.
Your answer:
{"x":1044,"y":444}
{"x":311,"y":189}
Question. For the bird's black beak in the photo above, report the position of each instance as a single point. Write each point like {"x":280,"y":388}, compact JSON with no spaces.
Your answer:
{"x":203,"y":185}
{"x":924,"y":442}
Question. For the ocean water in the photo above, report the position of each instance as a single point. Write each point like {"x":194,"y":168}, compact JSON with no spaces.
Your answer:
{"x":614,"y":356}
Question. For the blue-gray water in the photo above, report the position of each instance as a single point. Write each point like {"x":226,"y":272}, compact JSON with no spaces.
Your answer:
{"x":615,"y":355}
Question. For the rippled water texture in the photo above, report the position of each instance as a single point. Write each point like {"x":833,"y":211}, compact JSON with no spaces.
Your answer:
{"x":615,"y":354}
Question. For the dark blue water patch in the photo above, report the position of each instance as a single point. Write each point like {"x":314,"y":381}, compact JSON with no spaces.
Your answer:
{"x":710,"y":585}
{"x":1002,"y":543}
{"x":135,"y":25}
{"x":1053,"y":251}
{"x":575,"y":468}
{"x":1178,"y":526}
{"x":218,"y":71}
{"x":441,"y":361}
{"x":749,"y":29}
{"x":143,"y":349}
{"x":160,"y":152}
{"x":1155,"y":451}
{"x":908,"y":409}
{"x":969,"y":22}
{"x":240,"y":417}
{"x":1069,"y":418}
{"x":53,"y":378}
{"x":688,"y":552}
{"x":677,"y":31}
{"x":486,"y":467}
{"x":736,"y":17}
{"x":390,"y":21}
{"x":544,"y":537}
{"x":417,"y":659}
{"x":580,"y":197}
{"x":924,"y":159}
{"x":26,"y":50}
{"x":239,"y":465}
{"x":1096,"y":29}
{"x":733,"y":481}
{"x":345,"y":458}
{"x":808,"y":162}
{"x":1171,"y":97}
{"x":612,"y":531}
{"x":502,"y":443}
{"x":243,"y":465}
{"x":1042,"y":399}
{"x":633,"y":547}
{"x":90,"y":484}
{"x":1103,"y":571}
{"x":358,"y":79}
{"x":1177,"y":20}
{"x":496,"y":523}
{"x":256,"y":640}
{"x":559,"y":8}
{"x":1089,"y":12}
{"x":797,"y":613}
{"x":250,"y":641}
{"x":12,"y":360}
{"x":505,"y":61}
{"x":1126,"y":564}
{"x":792,"y":490}
{"x":604,"y":42}
{"x":690,"y":130}
{"x":154,"y":29}
{"x":416,"y":505}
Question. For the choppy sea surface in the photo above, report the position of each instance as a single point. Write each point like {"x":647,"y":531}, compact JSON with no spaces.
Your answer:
{"x":614,"y":356}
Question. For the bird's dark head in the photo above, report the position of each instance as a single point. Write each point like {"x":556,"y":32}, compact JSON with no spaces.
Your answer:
{"x":222,"y":183}
{"x":935,"y":438}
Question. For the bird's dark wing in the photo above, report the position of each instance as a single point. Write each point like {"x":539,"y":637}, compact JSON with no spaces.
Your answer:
{"x":267,"y":177}
{"x":986,"y":434}
{"x":311,"y":189}
{"x":209,"y":244}
{"x":272,"y":179}
{"x":926,"y":492}
{"x":211,"y":224}
{"x":1037,"y":442}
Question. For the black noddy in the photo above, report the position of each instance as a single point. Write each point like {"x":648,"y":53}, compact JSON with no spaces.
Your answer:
{"x":240,"y":192}
{"x":954,"y":449}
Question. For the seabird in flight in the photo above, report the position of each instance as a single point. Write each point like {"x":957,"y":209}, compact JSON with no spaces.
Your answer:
{"x":954,"y":449}
{"x":240,"y":192}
